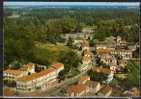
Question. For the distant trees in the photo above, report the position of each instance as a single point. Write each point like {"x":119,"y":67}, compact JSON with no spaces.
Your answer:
{"x":47,"y":25}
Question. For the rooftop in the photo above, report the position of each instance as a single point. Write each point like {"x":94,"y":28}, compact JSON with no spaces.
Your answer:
{"x":83,"y":78}
{"x":27,"y":66}
{"x":57,"y":65}
{"x":14,"y":72}
{"x":77,"y":88}
{"x":101,"y":69}
{"x":37,"y":75}
{"x":103,"y":50}
{"x":92,"y":83}
{"x":106,"y":89}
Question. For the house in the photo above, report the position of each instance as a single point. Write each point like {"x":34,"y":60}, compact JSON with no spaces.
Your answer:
{"x":77,"y":90}
{"x":84,"y":79}
{"x":58,"y":66}
{"x":86,"y":60}
{"x":40,"y":67}
{"x":12,"y":75}
{"x":77,"y":35}
{"x":106,"y":90}
{"x":41,"y":80}
{"x":122,"y":62}
{"x":85,"y":45}
{"x":132,"y":92}
{"x":105,"y":45}
{"x":104,"y":50}
{"x":85,"y":67}
{"x":94,"y":86}
{"x":87,"y":53}
{"x":108,"y":59}
{"x":28,"y":68}
{"x":87,"y":57}
{"x":101,"y":70}
{"x":122,"y":53}
{"x":88,"y":30}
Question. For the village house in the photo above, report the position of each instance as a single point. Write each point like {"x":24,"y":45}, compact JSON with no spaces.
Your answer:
{"x":87,"y":53}
{"x":122,"y":53}
{"x":88,"y":30}
{"x":87,"y":58}
{"x":94,"y":86}
{"x":132,"y":92}
{"x":101,"y":51}
{"x":85,"y":45}
{"x":78,"y":35}
{"x":122,"y":62}
{"x":12,"y":75}
{"x":120,"y":42}
{"x":101,"y":70}
{"x":106,"y":90}
{"x":105,"y":45}
{"x":40,"y":67}
{"x":41,"y":80}
{"x":86,"y":63}
{"x":28,"y":68}
{"x":108,"y":59}
{"x":108,"y":71}
{"x":84,"y":79}
{"x":77,"y":90}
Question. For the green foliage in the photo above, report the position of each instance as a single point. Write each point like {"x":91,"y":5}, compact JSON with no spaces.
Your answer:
{"x":97,"y":76}
{"x":70,"y":60}
{"x":61,"y":75}
{"x":70,"y":41}
{"x":47,"y":25}
{"x":15,"y":65}
{"x":136,"y":53}
{"x":133,"y":76}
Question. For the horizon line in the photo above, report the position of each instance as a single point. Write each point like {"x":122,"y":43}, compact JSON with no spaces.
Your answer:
{"x":74,"y":3}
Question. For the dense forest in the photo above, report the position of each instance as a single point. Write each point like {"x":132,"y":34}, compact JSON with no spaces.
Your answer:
{"x":33,"y":26}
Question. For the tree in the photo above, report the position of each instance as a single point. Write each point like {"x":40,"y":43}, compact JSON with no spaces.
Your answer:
{"x":70,"y":41}
{"x":136,"y":53}
{"x":61,"y":75}
{"x":70,"y":60}
{"x":15,"y":65}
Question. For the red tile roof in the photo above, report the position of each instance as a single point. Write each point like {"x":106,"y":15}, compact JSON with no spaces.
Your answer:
{"x":77,"y":88}
{"x":14,"y":72}
{"x":57,"y":65}
{"x":37,"y":75}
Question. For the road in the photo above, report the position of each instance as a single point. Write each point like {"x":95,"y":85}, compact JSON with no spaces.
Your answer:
{"x":56,"y":88}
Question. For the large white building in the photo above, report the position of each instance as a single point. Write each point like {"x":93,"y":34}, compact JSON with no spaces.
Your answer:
{"x":12,"y":75}
{"x":41,"y":80}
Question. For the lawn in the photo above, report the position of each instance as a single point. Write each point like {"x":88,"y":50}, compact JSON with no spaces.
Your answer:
{"x":47,"y":53}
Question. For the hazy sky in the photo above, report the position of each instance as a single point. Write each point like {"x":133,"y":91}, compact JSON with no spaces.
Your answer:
{"x":72,"y":3}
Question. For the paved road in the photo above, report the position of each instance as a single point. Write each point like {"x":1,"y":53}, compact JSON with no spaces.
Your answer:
{"x":56,"y":88}
{"x":64,"y":84}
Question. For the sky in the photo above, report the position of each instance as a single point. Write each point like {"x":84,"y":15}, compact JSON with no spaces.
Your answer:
{"x":72,"y":3}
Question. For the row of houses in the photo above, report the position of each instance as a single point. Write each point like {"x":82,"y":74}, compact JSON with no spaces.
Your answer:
{"x":85,"y":86}
{"x":122,"y":53}
{"x":41,"y":80}
{"x":87,"y":56}
{"x":112,"y":42}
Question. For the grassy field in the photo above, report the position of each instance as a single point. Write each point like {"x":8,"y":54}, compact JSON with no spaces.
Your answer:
{"x":47,"y":53}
